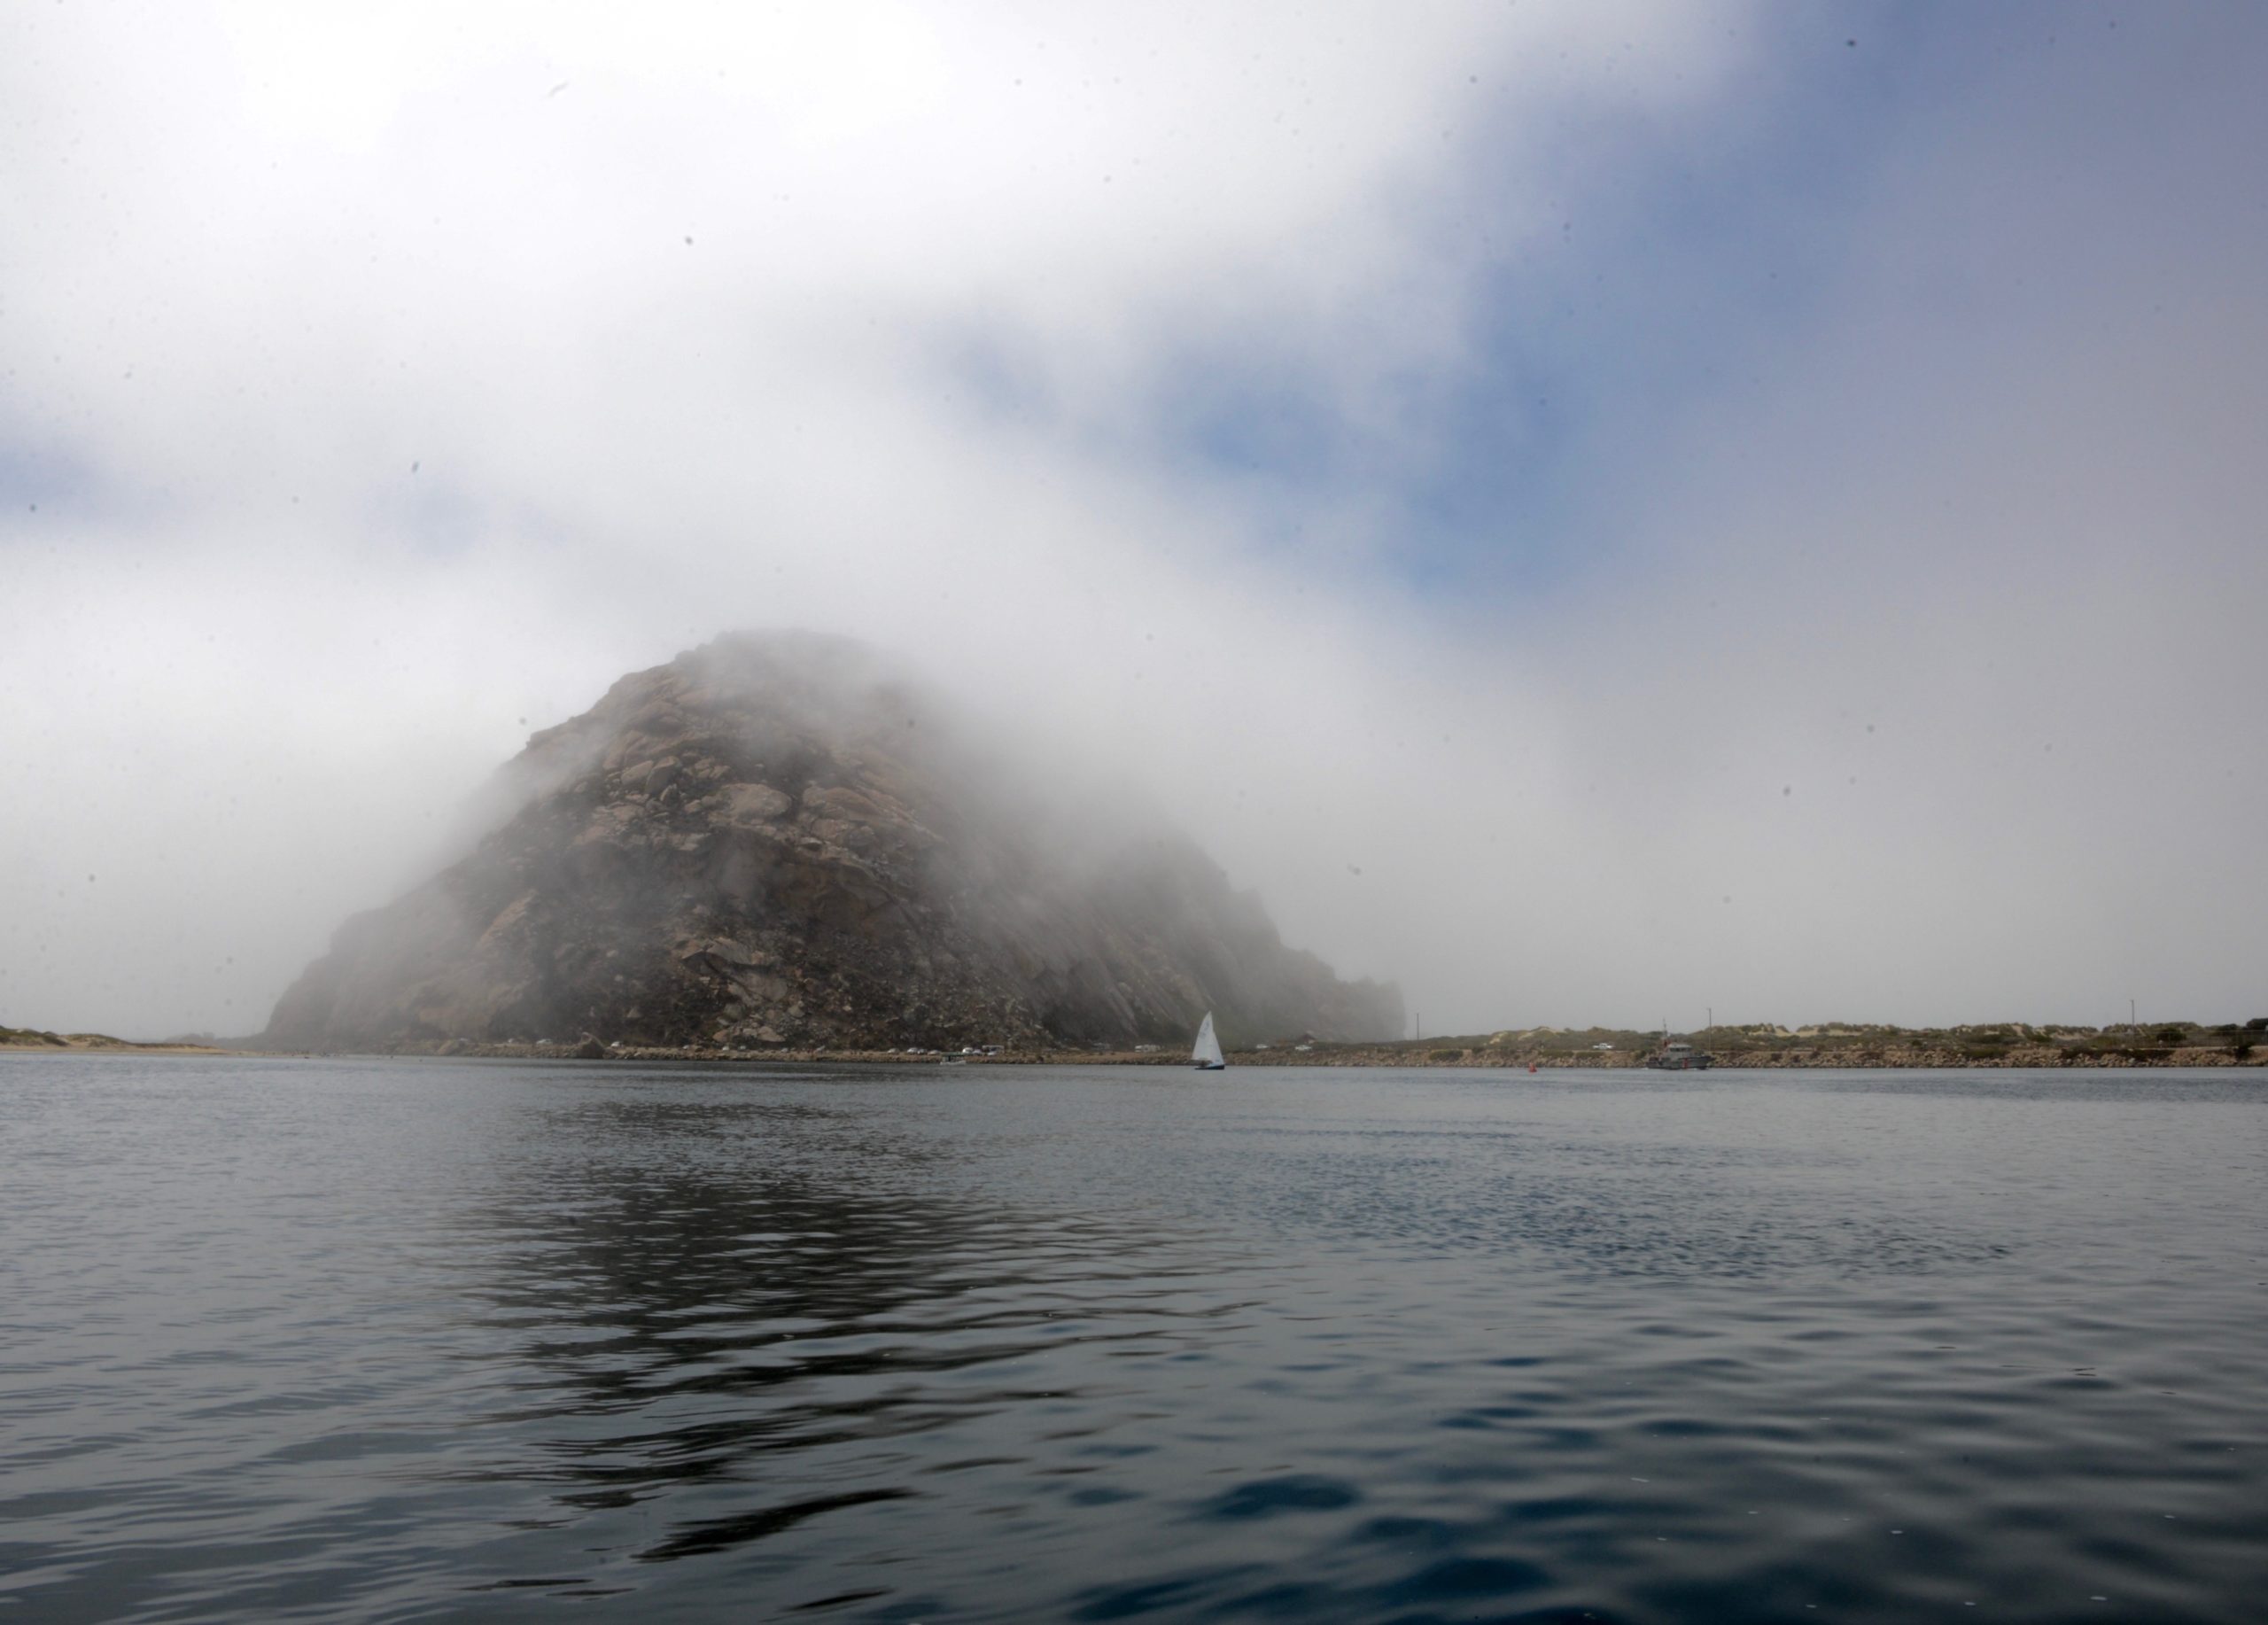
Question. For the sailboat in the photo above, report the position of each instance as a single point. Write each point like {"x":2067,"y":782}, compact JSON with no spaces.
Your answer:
{"x":1206,"y":1057}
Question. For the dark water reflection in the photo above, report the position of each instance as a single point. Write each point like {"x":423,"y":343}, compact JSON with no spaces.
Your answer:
{"x":412,"y":1341}
{"x":750,"y":1302}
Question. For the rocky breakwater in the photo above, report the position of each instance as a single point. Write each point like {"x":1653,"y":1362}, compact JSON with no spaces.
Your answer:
{"x":775,"y":842}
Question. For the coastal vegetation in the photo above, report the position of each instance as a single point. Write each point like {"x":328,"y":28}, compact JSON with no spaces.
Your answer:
{"x":38,"y":1038}
{"x":1827,"y":1044}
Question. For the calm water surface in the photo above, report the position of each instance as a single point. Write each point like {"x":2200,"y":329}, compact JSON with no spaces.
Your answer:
{"x":404,"y":1341}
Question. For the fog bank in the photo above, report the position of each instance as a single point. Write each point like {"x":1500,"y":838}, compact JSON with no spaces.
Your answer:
{"x":1597,"y":512}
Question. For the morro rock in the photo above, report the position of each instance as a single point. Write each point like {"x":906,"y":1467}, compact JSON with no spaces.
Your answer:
{"x":773,"y":842}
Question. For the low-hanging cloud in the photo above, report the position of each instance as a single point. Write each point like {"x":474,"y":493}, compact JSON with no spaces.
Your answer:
{"x":386,"y":388}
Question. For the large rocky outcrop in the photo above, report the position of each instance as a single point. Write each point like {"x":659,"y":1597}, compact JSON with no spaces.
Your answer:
{"x":771,"y":841}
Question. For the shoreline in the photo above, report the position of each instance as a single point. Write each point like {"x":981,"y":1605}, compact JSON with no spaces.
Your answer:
{"x":1389,"y":1057}
{"x":32,"y":1041}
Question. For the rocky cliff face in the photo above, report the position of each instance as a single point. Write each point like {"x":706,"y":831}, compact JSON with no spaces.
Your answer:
{"x":771,"y":841}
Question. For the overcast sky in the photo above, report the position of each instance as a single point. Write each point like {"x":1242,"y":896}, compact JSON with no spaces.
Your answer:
{"x":1600,"y":512}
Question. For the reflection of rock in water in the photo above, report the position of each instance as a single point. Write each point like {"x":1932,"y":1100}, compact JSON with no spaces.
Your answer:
{"x":772,"y":840}
{"x":695,"y":1323}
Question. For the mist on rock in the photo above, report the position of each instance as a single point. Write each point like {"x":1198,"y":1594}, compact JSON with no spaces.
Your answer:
{"x":778,"y":839}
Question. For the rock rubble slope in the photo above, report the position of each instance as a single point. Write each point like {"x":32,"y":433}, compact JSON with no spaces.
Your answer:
{"x":772,"y":841}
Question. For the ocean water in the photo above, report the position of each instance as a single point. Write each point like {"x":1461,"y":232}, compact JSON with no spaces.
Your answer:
{"x":390,"y":1341}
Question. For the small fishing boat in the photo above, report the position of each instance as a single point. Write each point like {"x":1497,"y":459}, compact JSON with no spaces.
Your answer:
{"x":1681,"y":1057}
{"x":1206,"y":1055}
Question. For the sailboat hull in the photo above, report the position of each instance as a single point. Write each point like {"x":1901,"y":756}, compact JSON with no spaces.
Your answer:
{"x":1210,"y":1066}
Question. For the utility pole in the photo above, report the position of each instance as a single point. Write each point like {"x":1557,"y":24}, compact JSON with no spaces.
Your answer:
{"x":1713,"y":1013}
{"x":2130,"y":1022}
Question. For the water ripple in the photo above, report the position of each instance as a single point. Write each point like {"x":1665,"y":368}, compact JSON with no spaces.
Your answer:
{"x":393,"y":1341}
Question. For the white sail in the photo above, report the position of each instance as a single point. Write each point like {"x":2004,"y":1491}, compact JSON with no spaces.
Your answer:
{"x":1207,"y":1052}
